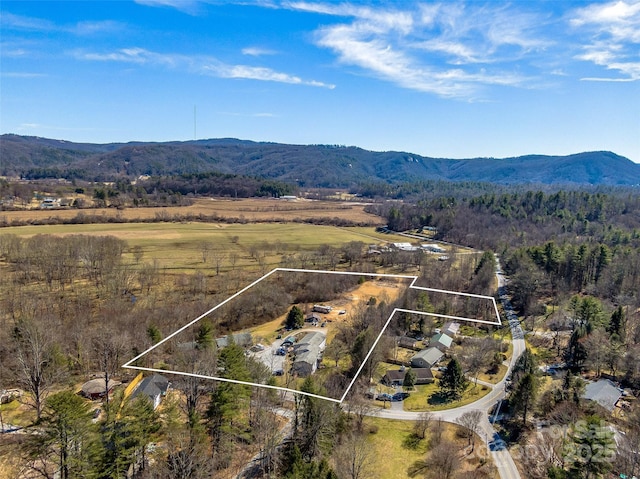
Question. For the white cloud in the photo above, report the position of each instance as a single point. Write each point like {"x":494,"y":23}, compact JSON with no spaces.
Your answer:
{"x":615,"y":36}
{"x":197,"y":64}
{"x":20,"y":22}
{"x":23,"y":75}
{"x":92,"y":28}
{"x":257,"y":51}
{"x":135,"y":55}
{"x":186,"y":6}
{"x":413,"y":47}
{"x":260,"y":73}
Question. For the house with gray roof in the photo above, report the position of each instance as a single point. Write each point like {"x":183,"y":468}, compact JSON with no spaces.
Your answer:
{"x":154,"y":387}
{"x":451,"y":328}
{"x":441,"y":341}
{"x":604,"y":392}
{"x":308,"y":352}
{"x":241,"y":339}
{"x":426,"y":358}
{"x":396,"y":377}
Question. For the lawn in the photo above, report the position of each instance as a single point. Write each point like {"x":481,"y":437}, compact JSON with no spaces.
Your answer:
{"x":392,"y":455}
{"x":494,"y":378}
{"x":391,"y":459}
{"x":426,"y":398}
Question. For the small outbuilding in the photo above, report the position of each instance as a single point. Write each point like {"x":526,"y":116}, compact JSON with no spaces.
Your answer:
{"x":321,"y":308}
{"x":97,"y":389}
{"x":451,"y":329}
{"x":241,"y":339}
{"x":407,"y":342}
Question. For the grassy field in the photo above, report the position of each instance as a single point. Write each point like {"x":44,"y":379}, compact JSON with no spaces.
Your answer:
{"x":246,"y":209}
{"x":180,"y":245}
{"x":494,"y":378}
{"x":425,"y":398}
{"x":391,"y":459}
{"x":392,"y":456}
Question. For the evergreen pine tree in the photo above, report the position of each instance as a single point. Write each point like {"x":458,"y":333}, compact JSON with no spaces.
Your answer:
{"x":453,"y":382}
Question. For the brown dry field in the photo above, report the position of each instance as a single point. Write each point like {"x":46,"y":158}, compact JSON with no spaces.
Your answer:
{"x":249,"y":209}
{"x":388,"y":290}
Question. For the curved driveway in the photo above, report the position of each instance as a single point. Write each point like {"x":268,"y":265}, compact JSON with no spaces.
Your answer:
{"x":501,"y":456}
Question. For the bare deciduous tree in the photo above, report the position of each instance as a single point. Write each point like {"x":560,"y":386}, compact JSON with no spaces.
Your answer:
{"x":470,"y":420}
{"x":421,"y":425}
{"x":354,"y":458}
{"x":35,"y":362}
{"x":442,"y":462}
{"x":108,"y":349}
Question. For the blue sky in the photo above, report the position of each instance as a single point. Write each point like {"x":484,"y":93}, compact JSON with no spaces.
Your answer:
{"x":442,"y":79}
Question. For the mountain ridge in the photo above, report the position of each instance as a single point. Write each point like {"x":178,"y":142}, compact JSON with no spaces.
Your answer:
{"x":304,"y":165}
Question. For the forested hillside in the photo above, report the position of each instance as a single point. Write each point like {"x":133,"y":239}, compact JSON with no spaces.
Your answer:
{"x":302,"y":165}
{"x":553,"y":246}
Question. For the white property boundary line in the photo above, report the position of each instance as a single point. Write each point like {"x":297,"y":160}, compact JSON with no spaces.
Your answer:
{"x":294,"y":270}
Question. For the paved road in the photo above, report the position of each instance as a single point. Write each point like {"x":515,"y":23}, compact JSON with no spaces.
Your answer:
{"x":501,"y":456}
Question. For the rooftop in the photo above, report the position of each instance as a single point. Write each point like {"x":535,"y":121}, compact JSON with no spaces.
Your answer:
{"x":604,"y":392}
{"x":431,"y":355}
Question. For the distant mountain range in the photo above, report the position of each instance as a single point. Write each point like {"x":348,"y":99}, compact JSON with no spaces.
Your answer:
{"x":305,"y":165}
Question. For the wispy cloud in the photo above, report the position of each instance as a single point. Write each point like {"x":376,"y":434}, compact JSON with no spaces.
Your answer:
{"x":260,"y":73}
{"x":614,"y":28}
{"x":23,"y":75}
{"x":92,"y":28}
{"x":257,"y":51}
{"x":191,"y":7}
{"x":416,"y":47}
{"x":197,"y":64}
{"x":20,"y":22}
{"x":135,"y":55}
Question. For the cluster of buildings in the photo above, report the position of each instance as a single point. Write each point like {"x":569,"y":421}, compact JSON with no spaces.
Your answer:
{"x":425,"y":359}
{"x":406,"y":246}
{"x":154,"y":387}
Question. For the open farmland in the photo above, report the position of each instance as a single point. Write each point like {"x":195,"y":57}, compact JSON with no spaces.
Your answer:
{"x":251,"y":209}
{"x":180,"y":245}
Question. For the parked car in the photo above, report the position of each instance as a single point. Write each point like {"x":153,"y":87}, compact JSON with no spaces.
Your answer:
{"x":384,"y":397}
{"x":399,"y":396}
{"x":278,"y":372}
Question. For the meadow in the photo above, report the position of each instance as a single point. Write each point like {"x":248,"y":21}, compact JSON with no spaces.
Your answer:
{"x":246,"y":209}
{"x":180,"y":246}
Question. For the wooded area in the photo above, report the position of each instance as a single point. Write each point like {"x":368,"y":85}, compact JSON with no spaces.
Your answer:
{"x":77,"y":306}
